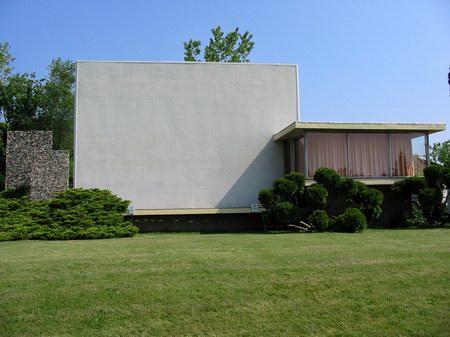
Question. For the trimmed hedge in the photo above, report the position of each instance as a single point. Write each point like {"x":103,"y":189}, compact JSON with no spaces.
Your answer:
{"x":429,"y":209}
{"x":74,"y":214}
{"x":291,"y":202}
{"x":351,"y":221}
{"x":319,"y":220}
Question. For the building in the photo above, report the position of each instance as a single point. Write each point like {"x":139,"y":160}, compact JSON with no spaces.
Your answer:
{"x":197,"y":138}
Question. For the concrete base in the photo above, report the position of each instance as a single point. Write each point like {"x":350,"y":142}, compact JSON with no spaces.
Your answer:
{"x":199,"y":222}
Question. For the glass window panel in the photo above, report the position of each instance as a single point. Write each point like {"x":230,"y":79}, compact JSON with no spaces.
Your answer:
{"x":368,"y":154}
{"x":300,"y":155}
{"x":326,"y":150}
{"x":402,"y":155}
{"x":419,"y":153}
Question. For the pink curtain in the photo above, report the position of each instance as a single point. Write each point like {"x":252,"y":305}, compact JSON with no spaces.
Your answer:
{"x":326,"y":150}
{"x":300,"y":155}
{"x":402,"y":155}
{"x":368,"y":154}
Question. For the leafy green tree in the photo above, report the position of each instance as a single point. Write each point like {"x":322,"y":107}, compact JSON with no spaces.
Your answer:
{"x":58,"y":99}
{"x":231,"y":47}
{"x":28,"y":103}
{"x":440,"y":153}
{"x":430,"y":190}
{"x":21,"y":101}
{"x":5,"y":61}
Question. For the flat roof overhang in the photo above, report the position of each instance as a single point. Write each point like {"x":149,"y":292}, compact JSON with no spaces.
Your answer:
{"x":297,"y":129}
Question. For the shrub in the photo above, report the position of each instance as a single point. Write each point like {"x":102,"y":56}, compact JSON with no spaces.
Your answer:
{"x":416,"y":218}
{"x":319,"y":220}
{"x":370,"y":201}
{"x":290,"y":201}
{"x":430,"y":200}
{"x":351,"y":221}
{"x":267,"y":198}
{"x":74,"y":214}
{"x":328,"y":178}
{"x":409,"y":186}
{"x":299,"y":181}
{"x":316,"y":197}
{"x":15,"y":193}
{"x":286,"y":213}
{"x":433,"y":175}
{"x":285,"y":188}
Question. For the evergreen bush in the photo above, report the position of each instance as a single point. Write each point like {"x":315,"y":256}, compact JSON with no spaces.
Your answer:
{"x":351,"y":221}
{"x":430,"y":191}
{"x":290,"y":202}
{"x":319,"y":220}
{"x":74,"y":214}
{"x":316,"y":197}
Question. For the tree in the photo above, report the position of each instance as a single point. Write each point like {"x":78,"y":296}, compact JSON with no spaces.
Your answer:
{"x":21,"y":101}
{"x":58,"y":99}
{"x":5,"y":61}
{"x":28,"y":103}
{"x":430,"y":204}
{"x":440,"y":153}
{"x":232,"y":47}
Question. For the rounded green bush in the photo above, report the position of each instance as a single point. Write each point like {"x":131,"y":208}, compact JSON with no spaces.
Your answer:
{"x":319,"y":220}
{"x":328,"y":178}
{"x":316,"y":196}
{"x":74,"y":214}
{"x":267,"y":198}
{"x":284,"y":187}
{"x":351,"y":221}
{"x":286,"y":213}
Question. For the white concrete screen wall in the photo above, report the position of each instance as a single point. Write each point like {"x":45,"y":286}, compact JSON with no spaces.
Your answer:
{"x":182,"y":135}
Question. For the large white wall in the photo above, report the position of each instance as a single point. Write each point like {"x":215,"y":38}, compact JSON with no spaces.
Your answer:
{"x":182,"y":135}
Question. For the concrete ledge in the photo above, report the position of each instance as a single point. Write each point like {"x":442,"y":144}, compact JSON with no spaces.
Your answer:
{"x":297,"y":129}
{"x":191,"y":211}
{"x":369,"y":181}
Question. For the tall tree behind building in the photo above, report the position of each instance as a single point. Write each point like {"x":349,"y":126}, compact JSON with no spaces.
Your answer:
{"x":232,"y":47}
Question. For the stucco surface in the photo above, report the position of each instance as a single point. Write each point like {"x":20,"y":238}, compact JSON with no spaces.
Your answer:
{"x":182,"y":135}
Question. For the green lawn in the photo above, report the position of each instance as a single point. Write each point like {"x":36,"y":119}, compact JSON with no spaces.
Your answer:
{"x":377,"y":283}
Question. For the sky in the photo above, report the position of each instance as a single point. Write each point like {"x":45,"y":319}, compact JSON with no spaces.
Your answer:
{"x":358,"y":60}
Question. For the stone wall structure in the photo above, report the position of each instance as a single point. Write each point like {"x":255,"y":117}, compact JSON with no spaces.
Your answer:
{"x":31,"y":161}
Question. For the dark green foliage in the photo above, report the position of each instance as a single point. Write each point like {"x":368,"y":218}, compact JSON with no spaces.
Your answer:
{"x":290,"y":202}
{"x":416,"y":218}
{"x":430,"y":190}
{"x":440,"y":152}
{"x":298,"y":179}
{"x":430,"y":200}
{"x":316,"y":197}
{"x":409,"y":186}
{"x":285,"y":188}
{"x":29,"y":103}
{"x":232,"y":47}
{"x":15,"y":193}
{"x":434,"y":175}
{"x":74,"y":214}
{"x":290,"y":187}
{"x":328,"y":178}
{"x":370,"y":201}
{"x":319,"y":220}
{"x":267,"y":198}
{"x":351,"y":221}
{"x":286,"y":213}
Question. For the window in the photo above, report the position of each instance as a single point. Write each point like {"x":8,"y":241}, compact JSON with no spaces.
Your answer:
{"x":362,"y":154}
{"x":368,"y":154}
{"x":326,"y":150}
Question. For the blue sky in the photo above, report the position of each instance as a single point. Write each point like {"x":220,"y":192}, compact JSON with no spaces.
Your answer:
{"x":359,"y":60}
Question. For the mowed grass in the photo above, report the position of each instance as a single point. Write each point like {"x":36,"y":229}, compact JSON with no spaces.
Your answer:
{"x":376,"y":283}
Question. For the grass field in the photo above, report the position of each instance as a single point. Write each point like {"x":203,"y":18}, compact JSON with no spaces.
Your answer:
{"x":377,"y":283}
